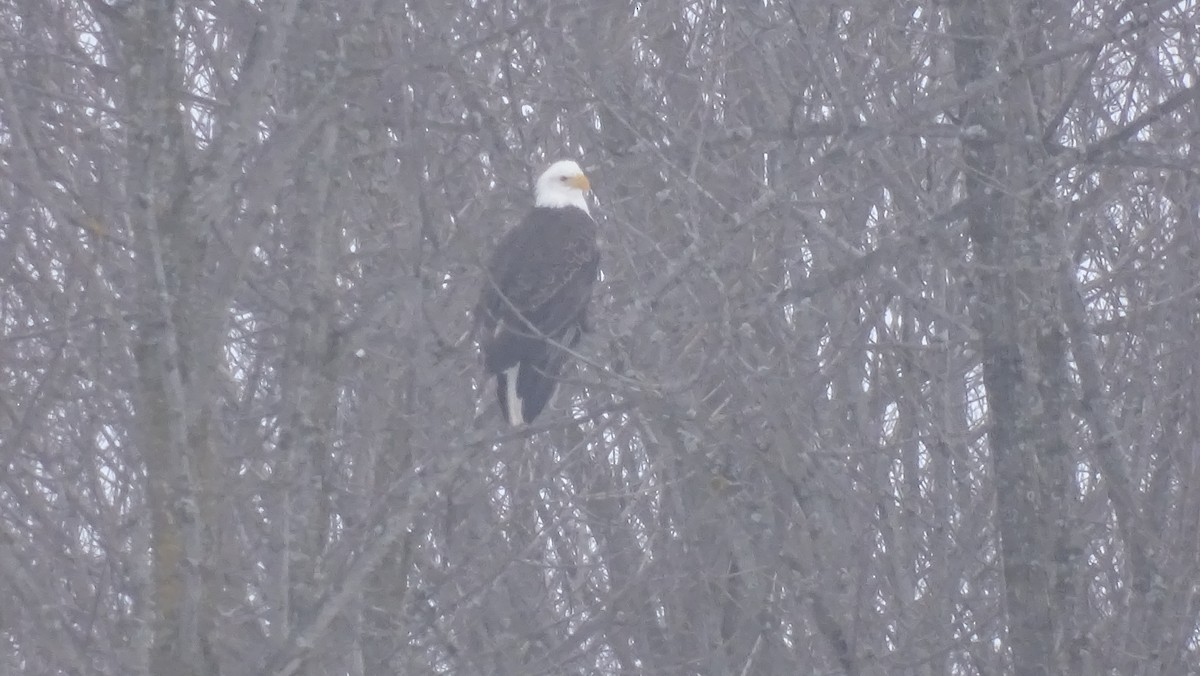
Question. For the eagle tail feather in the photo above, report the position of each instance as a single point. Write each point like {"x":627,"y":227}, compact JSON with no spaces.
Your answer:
{"x":537,"y":381}
{"x":527,"y":371}
{"x":506,"y":392}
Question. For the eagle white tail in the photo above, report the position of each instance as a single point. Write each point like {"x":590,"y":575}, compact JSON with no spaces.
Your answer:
{"x":516,"y":416}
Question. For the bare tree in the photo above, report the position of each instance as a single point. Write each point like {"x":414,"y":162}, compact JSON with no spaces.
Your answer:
{"x":893,"y":369}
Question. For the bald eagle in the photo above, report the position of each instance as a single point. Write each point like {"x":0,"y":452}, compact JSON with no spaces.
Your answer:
{"x":534,"y":302}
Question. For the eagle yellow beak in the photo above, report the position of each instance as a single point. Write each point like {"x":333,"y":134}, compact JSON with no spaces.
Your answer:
{"x":579,"y":181}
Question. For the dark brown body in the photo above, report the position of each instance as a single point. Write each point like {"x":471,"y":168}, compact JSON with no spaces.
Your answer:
{"x":534,"y":303}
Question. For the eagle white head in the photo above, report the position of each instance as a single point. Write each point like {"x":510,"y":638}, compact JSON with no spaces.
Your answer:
{"x":562,"y":185}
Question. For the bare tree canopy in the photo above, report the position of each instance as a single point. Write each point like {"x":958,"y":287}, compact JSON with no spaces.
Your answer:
{"x":893,"y":364}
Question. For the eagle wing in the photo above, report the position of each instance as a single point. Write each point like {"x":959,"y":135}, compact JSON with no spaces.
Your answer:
{"x":534,"y":300}
{"x":541,"y":276}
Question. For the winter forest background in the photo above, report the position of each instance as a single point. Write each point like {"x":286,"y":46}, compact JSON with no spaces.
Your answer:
{"x":894,"y":368}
